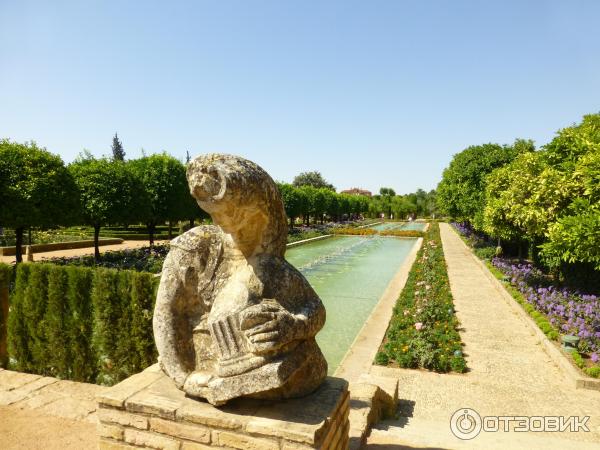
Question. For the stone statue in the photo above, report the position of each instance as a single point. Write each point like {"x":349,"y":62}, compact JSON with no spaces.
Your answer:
{"x":233,"y":318}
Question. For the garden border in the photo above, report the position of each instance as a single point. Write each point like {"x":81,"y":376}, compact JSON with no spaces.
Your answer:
{"x":40,"y":248}
{"x":561,"y":360}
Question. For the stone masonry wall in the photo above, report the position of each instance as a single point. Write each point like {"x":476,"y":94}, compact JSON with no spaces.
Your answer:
{"x":148,"y":411}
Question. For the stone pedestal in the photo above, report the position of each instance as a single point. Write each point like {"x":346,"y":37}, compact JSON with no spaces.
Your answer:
{"x":148,"y":411}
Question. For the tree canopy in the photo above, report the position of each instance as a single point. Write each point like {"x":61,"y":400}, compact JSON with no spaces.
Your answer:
{"x":110,"y":192}
{"x":35,"y":189}
{"x":117,"y":149}
{"x":461,"y":192}
{"x":165,"y":183}
{"x":314,"y":179}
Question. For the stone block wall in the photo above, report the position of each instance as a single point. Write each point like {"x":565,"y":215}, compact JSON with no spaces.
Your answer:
{"x":148,"y":411}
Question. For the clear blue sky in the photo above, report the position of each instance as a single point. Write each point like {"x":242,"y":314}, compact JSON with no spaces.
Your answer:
{"x":370,"y":93}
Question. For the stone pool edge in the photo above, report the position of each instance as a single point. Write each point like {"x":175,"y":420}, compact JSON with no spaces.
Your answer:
{"x":307,"y":241}
{"x":360,"y":356}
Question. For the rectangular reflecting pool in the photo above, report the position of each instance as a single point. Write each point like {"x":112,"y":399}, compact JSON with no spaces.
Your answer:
{"x":350,"y":273}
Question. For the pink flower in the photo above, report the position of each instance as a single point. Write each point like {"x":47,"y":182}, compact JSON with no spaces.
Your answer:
{"x":418,"y":326}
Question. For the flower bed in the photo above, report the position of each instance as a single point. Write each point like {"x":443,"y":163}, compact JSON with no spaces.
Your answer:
{"x":423,"y":330}
{"x":144,"y":259}
{"x":569,"y":312}
{"x":402,"y":233}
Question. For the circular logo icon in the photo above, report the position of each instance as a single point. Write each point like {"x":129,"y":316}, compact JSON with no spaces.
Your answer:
{"x":465,"y":423}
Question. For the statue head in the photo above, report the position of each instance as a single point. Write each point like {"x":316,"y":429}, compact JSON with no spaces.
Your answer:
{"x":242,"y":199}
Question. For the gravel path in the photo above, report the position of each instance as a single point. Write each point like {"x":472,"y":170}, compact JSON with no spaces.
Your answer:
{"x":510,"y":374}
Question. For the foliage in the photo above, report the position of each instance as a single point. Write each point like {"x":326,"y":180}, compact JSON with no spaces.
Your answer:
{"x":35,"y":189}
{"x":314,"y":179}
{"x":81,"y":324}
{"x":423,"y":331}
{"x":402,"y":233}
{"x":6,"y":273}
{"x":117,"y":149}
{"x":548,"y":200}
{"x":110,"y":192}
{"x":461,"y":192}
{"x":569,"y":311}
{"x":165,"y":184}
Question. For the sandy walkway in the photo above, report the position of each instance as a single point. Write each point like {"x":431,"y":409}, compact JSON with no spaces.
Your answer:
{"x":30,"y":429}
{"x":81,"y":251}
{"x":510,"y":374}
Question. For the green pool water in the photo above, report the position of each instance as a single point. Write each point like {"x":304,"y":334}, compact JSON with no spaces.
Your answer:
{"x":350,"y":273}
{"x":418,"y":226}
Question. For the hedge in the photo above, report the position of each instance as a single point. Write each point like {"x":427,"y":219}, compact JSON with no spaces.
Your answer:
{"x":5,"y":278}
{"x":81,"y":324}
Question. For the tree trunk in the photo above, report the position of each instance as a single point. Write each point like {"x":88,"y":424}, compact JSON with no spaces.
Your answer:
{"x":170,"y":230}
{"x":151,"y":234}
{"x":291,"y":223}
{"x":29,"y":235}
{"x":191,"y":223}
{"x":96,"y":243}
{"x":19,"y":244}
{"x":520,"y":250}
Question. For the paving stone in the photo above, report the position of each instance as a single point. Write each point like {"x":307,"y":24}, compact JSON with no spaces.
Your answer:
{"x":10,"y":380}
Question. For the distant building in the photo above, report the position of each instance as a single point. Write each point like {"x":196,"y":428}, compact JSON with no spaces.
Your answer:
{"x":357,"y":191}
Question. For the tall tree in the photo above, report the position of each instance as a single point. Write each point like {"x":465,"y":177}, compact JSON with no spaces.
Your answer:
{"x":110,"y":193}
{"x":461,"y":193}
{"x":35,"y":190}
{"x":164,"y":181}
{"x":314,"y":179}
{"x":292,"y":201}
{"x":117,"y":149}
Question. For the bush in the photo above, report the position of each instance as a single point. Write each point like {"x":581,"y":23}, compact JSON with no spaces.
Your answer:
{"x":402,"y":233}
{"x":423,"y":330}
{"x":81,"y":324}
{"x":5,"y":279}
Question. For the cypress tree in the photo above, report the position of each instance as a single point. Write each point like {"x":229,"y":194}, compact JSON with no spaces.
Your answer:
{"x":18,"y":342}
{"x":117,"y":149}
{"x":34,"y":310}
{"x":79,"y":324}
{"x":58,"y":351}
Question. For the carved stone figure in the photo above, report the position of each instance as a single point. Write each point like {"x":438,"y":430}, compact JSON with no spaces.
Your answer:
{"x":233,"y":318}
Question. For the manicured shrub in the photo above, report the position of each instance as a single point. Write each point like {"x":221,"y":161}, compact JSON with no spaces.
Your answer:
{"x":81,"y":324}
{"x":402,"y":233}
{"x":18,"y":337}
{"x":593,"y":371}
{"x":57,"y":343}
{"x":35,"y":302}
{"x":6,"y":272}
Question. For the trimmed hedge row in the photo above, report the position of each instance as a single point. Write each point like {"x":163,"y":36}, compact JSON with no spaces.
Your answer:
{"x":6,"y":272}
{"x":81,"y":324}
